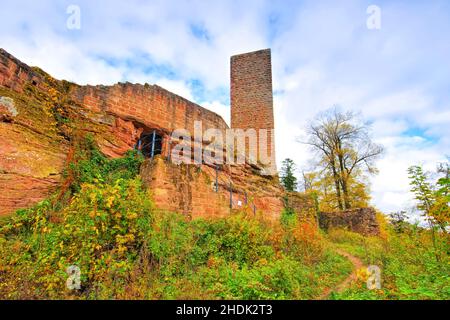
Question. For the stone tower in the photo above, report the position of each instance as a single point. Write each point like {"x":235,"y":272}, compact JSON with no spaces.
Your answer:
{"x":252,"y":102}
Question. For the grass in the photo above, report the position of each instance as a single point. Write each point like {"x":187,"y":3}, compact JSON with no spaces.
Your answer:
{"x":104,"y":223}
{"x":412,"y":268}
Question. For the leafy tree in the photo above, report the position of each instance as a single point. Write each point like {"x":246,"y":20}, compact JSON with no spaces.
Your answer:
{"x":288,"y":179}
{"x":398,"y":220}
{"x":322,"y":185}
{"x":432,"y":199}
{"x":346,"y":153}
{"x":440,"y":209}
{"x":308,"y":181}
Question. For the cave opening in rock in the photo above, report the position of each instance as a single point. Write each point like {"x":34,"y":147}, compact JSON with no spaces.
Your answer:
{"x":150,"y":143}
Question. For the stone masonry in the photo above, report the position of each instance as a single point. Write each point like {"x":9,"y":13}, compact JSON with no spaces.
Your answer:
{"x":361,"y":220}
{"x":252,"y":98}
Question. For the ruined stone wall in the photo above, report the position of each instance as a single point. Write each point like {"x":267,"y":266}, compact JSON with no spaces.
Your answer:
{"x":14,"y":74}
{"x":147,"y":104}
{"x":150,"y":105}
{"x":361,"y":220}
{"x":252,"y":96}
{"x":191,"y":190}
{"x":183,"y":188}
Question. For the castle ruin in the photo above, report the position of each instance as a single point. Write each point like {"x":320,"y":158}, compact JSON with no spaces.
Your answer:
{"x":34,"y":146}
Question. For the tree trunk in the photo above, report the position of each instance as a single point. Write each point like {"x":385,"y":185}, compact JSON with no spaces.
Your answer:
{"x":342,"y":175}
{"x":337,"y":185}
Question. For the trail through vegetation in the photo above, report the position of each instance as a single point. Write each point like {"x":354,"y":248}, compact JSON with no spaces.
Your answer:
{"x":357,"y":265}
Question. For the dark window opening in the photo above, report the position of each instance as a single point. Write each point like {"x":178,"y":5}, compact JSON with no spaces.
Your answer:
{"x":150,"y":144}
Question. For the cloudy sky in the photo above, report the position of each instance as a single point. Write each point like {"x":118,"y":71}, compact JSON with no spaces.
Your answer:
{"x":324,"y":54}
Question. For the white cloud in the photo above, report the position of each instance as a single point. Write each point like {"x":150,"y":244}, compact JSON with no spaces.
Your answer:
{"x":178,"y":87}
{"x":219,"y":108}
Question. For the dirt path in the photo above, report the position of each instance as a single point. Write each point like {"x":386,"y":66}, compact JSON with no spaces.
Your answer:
{"x":357,"y":264}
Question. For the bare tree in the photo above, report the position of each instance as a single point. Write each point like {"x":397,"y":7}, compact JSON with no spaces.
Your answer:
{"x":307,"y":181}
{"x":345,"y":148}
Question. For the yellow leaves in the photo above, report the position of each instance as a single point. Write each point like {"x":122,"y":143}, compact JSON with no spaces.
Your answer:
{"x":262,"y":262}
{"x":93,"y":197}
{"x":110,"y":201}
{"x":440,"y":210}
{"x":95,"y":229}
{"x":50,"y":286}
{"x":121,"y":249}
{"x":131,"y":215}
{"x":123,"y":241}
{"x":61,"y":264}
{"x":382,"y":222}
{"x":362,"y":274}
{"x":52,"y":91}
{"x":128,"y":238}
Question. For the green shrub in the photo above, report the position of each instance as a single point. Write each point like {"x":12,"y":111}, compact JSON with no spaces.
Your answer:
{"x":101,"y":231}
{"x":236,"y":239}
{"x":408,"y":263}
{"x":90,"y":165}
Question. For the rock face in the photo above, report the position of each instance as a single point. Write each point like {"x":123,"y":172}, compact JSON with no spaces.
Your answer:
{"x":361,"y":220}
{"x":32,"y":154}
{"x":30,"y":166}
{"x":192,"y":190}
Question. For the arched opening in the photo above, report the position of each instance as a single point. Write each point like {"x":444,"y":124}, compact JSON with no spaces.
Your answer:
{"x":150,"y":144}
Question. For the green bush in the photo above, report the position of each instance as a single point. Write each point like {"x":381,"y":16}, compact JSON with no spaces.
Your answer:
{"x":408,"y":261}
{"x":90,"y":165}
{"x":101,"y":231}
{"x":236,"y":239}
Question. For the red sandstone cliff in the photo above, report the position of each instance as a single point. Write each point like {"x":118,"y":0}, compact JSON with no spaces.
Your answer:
{"x":38,"y":114}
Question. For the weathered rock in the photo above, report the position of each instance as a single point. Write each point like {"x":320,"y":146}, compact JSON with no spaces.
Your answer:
{"x":21,"y":191}
{"x":7,"y":106}
{"x":7,"y":109}
{"x":30,"y":166}
{"x":361,"y":220}
{"x":191,"y":190}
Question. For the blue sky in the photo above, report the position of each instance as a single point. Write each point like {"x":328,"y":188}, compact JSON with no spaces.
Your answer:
{"x":323,"y":54}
